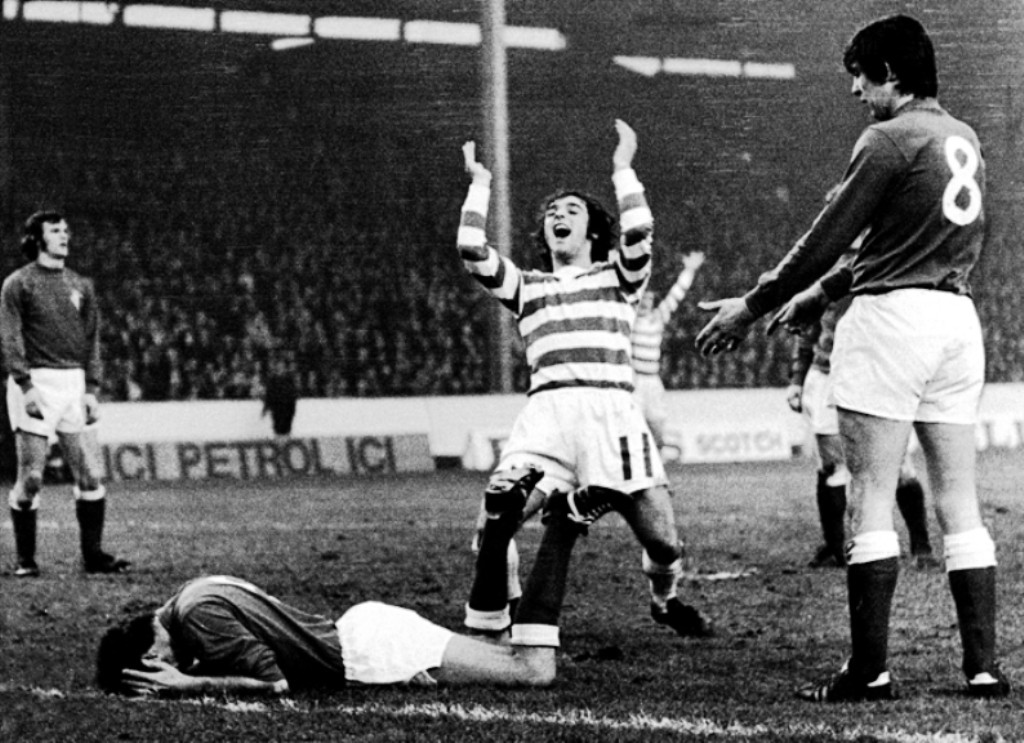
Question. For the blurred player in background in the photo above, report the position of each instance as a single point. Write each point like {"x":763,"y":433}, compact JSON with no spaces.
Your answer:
{"x":49,"y":332}
{"x":810,"y":393}
{"x":648,"y":333}
{"x":908,"y":353}
{"x":223,"y":634}
{"x":581,"y":425}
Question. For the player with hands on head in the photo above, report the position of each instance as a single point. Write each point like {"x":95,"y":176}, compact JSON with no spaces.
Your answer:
{"x":648,"y":333}
{"x":908,"y":353}
{"x":580,"y":424}
{"x":222,"y":634}
{"x":49,"y":335}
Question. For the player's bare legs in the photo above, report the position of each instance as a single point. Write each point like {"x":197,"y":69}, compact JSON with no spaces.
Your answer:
{"x":650,"y":515}
{"x":970,"y":553}
{"x":24,"y":500}
{"x":874,"y":450}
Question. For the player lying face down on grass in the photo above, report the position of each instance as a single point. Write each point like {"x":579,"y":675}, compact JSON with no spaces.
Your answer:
{"x":224,"y":634}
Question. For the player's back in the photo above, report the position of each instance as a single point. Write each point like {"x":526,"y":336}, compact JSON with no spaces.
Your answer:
{"x":929,"y":228}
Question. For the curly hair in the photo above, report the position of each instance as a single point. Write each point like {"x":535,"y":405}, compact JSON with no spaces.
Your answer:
{"x":601,"y":227}
{"x":123,"y":646}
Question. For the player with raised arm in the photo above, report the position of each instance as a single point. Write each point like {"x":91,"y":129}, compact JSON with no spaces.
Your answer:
{"x":648,"y":333}
{"x":581,"y":424}
{"x":49,"y":334}
{"x":908,"y":353}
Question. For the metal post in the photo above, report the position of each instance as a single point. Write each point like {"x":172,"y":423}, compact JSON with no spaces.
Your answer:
{"x":495,"y":153}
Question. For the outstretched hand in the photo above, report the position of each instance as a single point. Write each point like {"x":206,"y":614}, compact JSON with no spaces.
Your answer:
{"x":475,"y":169}
{"x":800,"y":312}
{"x":727,"y":327}
{"x":622,"y":158}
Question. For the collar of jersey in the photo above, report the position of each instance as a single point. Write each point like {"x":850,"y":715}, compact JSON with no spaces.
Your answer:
{"x":570,"y":272}
{"x":916,"y":104}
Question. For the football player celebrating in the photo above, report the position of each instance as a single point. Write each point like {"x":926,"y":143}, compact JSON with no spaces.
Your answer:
{"x":648,"y":333}
{"x":581,"y":424}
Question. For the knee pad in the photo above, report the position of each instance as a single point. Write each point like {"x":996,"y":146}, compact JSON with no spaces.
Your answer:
{"x":872,"y":546}
{"x":969,"y":550}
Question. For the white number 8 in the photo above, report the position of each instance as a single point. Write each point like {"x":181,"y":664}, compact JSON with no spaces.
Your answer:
{"x":963,"y":179}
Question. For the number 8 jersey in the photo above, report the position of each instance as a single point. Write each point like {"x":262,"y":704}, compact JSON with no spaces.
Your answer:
{"x":917,"y":183}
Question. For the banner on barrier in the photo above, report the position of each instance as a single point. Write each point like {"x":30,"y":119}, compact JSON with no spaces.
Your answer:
{"x":736,"y":443}
{"x":687,"y":445}
{"x":268,"y":459}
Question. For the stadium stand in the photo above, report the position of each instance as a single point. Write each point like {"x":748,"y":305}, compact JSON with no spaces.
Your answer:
{"x":232,"y":203}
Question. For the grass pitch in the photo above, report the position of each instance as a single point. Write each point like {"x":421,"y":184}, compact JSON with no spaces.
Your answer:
{"x":325,"y":544}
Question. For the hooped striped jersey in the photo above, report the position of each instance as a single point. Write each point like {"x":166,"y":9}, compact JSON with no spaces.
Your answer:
{"x":649,"y":329}
{"x":576,"y":323}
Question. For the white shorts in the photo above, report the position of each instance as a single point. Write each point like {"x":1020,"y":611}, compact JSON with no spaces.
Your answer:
{"x":585,"y":436}
{"x":384,"y":644}
{"x":60,"y":394}
{"x":650,"y":396}
{"x":911,"y":355}
{"x":818,"y":406}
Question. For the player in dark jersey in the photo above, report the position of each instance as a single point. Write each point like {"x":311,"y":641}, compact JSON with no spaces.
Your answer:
{"x":908,"y":353}
{"x":221,"y":633}
{"x":49,"y":333}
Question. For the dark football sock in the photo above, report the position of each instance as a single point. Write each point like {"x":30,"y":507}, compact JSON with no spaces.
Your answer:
{"x":91,"y":517}
{"x":910,"y":500}
{"x":546,"y":585}
{"x":832,"y":512}
{"x":871,"y":586}
{"x":24,"y":525}
{"x":974,"y":593}
{"x":490,"y":583}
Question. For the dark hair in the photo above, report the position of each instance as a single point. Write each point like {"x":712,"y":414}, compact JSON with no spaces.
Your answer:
{"x":123,"y":647}
{"x":32,"y":238}
{"x":897,"y":44}
{"x":601,"y":227}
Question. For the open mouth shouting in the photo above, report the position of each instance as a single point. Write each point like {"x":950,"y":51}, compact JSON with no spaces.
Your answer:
{"x":561,"y":231}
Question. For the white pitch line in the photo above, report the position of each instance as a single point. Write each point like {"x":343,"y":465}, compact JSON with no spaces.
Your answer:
{"x":575,"y":718}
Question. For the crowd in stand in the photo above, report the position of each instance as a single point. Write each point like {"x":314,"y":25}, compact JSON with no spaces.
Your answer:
{"x":207,"y":272}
